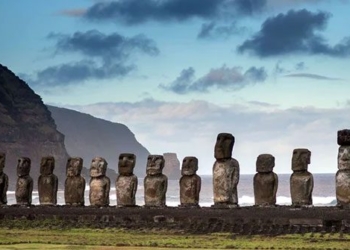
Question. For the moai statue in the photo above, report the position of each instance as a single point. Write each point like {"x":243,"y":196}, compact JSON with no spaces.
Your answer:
{"x":155,"y":182}
{"x":225,"y":172}
{"x":190,"y":183}
{"x":342,"y":178}
{"x":126,"y":183}
{"x":24,"y":185}
{"x":47,"y":182}
{"x":265,"y":181}
{"x":74,"y":186}
{"x":301,"y":181}
{"x":4,"y":180}
{"x":99,"y":183}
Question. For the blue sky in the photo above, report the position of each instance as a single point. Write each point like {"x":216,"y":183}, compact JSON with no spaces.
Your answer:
{"x":274,"y":73}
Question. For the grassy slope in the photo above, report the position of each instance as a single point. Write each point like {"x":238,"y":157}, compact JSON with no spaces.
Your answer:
{"x":105,"y":238}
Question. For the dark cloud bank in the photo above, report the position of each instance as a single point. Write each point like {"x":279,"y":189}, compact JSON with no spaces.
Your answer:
{"x":104,"y":56}
{"x":294,"y":32}
{"x":131,"y":12}
{"x":223,"y":78}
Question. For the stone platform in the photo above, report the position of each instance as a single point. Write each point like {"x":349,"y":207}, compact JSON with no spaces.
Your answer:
{"x":241,"y":220}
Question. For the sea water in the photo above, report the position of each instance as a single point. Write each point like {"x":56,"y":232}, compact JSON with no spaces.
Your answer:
{"x":323,"y":193}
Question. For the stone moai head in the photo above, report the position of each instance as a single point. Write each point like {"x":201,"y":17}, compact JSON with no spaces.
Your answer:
{"x":47,"y":165}
{"x":155,"y":164}
{"x":265,"y":163}
{"x":23,"y":166}
{"x":344,"y":157}
{"x":2,"y":162}
{"x":98,"y":167}
{"x":126,"y":164}
{"x":189,"y":165}
{"x":344,"y":137}
{"x":301,"y":159}
{"x":224,"y":145}
{"x":74,"y":166}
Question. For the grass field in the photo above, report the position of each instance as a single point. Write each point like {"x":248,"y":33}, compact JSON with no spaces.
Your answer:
{"x":125,"y":239}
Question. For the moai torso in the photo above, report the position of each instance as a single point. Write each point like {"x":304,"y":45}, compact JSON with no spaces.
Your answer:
{"x":74,"y":187}
{"x":265,"y":181}
{"x":99,"y":183}
{"x":190,"y":183}
{"x":126,"y":183}
{"x":47,"y":182}
{"x":301,"y":181}
{"x":4,"y":180}
{"x":155,"y":182}
{"x":225,"y":172}
{"x":343,"y":175}
{"x":24,"y":185}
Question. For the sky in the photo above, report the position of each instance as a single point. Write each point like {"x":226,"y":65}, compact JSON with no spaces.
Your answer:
{"x":274,"y":73}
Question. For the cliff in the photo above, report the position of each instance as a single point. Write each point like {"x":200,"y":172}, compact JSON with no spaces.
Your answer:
{"x":87,"y":136}
{"x":27,"y":128}
{"x":172,"y":166}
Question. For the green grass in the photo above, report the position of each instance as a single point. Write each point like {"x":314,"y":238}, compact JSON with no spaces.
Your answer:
{"x":125,"y":239}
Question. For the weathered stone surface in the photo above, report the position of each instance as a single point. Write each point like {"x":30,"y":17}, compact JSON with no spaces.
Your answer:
{"x":344,"y":137}
{"x":301,"y":181}
{"x":225,"y":181}
{"x":190,"y":182}
{"x":301,"y":159}
{"x":344,"y":158}
{"x":342,"y":178}
{"x":265,"y":181}
{"x":171,"y":166}
{"x":74,"y":186}
{"x":4,"y":181}
{"x":155,"y":182}
{"x":26,"y":127}
{"x":126,"y":183}
{"x":47,"y":182}
{"x":225,"y":172}
{"x":24,"y":185}
{"x":99,"y":183}
{"x":270,"y":221}
{"x":224,"y":145}
{"x":265,"y":163}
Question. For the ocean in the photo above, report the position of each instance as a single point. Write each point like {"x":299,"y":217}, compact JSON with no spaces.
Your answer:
{"x":323,"y":193}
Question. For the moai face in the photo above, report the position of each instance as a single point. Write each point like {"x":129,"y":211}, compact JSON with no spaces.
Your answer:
{"x":126,"y":164}
{"x":2,"y":162}
{"x":224,"y":145}
{"x":23,"y":166}
{"x":189,"y":165}
{"x":301,"y":159}
{"x":344,"y":137}
{"x":155,"y":165}
{"x":74,"y":166}
{"x":265,"y":163}
{"x":47,"y":165}
{"x":98,"y":167}
{"x":344,"y":157}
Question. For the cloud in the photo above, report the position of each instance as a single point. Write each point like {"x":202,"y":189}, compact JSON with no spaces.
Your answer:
{"x":225,"y":78}
{"x":77,"y":72}
{"x":132,"y":12}
{"x":295,"y":32}
{"x":292,"y":3}
{"x":313,"y":76}
{"x":263,"y":104}
{"x":104,"y":57}
{"x":300,"y":66}
{"x":212,"y":30}
{"x":190,"y":129}
{"x":73,"y":12}
{"x":110,"y":47}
